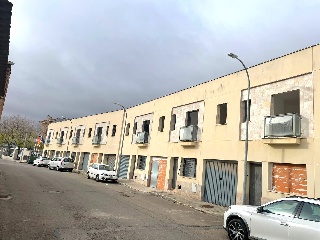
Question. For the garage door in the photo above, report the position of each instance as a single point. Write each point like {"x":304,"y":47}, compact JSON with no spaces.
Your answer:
{"x":221,"y":181}
{"x":85,"y":161}
{"x":123,"y":167}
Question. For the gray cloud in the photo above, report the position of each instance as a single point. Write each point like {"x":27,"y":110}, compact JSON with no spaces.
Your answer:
{"x":75,"y":58}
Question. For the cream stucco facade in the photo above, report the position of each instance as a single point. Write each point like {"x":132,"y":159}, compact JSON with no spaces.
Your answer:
{"x":197,"y":135}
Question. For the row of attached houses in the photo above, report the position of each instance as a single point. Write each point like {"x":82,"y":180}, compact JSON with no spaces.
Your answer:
{"x":192,"y":142}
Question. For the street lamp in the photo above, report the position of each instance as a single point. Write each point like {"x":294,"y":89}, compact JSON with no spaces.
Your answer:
{"x":247,"y":132}
{"x":122,"y":133}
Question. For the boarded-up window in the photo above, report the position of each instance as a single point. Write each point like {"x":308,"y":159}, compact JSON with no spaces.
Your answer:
{"x":189,"y":167}
{"x":142,"y":162}
{"x":289,"y":178}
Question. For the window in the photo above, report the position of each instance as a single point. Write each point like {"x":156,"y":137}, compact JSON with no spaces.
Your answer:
{"x":310,"y":212}
{"x":127,"y":129}
{"x":284,"y":208}
{"x":71,"y":134}
{"x":142,"y":162}
{"x":62,"y":135}
{"x":107,"y":132}
{"x":161,"y":124}
{"x":114,"y":129}
{"x":287,"y":102}
{"x":89,"y":133}
{"x":192,"y":118}
{"x":222,"y":114}
{"x":243,"y":110}
{"x":99,"y":132}
{"x":173,"y":122}
{"x":189,"y":167}
{"x":78,"y":133}
{"x":145,"y":126}
{"x":135,"y":128}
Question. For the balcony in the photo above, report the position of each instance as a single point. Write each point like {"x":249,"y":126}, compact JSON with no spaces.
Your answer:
{"x":142,"y":139}
{"x":75,"y":140}
{"x":188,"y":135}
{"x":59,"y":141}
{"x":96,"y":140}
{"x":282,"y":128}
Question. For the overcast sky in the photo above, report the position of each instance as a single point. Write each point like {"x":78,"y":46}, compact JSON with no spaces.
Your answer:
{"x":75,"y":58}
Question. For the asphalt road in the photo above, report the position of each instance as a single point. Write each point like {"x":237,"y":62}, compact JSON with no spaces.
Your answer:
{"x":36,"y":203}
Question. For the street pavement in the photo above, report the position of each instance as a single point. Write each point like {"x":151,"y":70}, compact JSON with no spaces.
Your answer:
{"x":36,"y":203}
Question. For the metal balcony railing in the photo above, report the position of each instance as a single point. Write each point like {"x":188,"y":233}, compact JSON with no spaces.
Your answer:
{"x":142,"y":137}
{"x":282,"y":125}
{"x":59,"y":140}
{"x":188,"y":133}
{"x":96,"y":140}
{"x":75,"y":140}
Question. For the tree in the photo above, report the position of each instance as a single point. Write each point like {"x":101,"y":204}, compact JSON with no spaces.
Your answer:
{"x":18,"y":131}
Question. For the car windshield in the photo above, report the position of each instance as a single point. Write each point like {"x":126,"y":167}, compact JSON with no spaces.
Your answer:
{"x":105,"y":167}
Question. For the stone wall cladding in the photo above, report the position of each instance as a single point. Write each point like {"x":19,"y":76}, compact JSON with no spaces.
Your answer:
{"x":261,"y":102}
{"x":181,"y":112}
{"x":139,"y":120}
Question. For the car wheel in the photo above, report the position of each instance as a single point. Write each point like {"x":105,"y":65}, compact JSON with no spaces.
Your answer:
{"x":97,"y":178}
{"x":57,"y":168}
{"x":88,"y":176}
{"x":70,"y":170}
{"x":38,"y":165}
{"x":237,"y":230}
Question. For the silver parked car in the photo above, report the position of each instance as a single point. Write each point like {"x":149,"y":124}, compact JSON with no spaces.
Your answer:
{"x":292,"y":218}
{"x":61,"y":163}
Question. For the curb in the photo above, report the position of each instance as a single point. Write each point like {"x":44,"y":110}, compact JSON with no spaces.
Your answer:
{"x":171,"y":199}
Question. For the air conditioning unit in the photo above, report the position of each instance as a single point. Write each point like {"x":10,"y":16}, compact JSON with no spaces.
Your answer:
{"x":282,"y":125}
{"x":188,"y":133}
{"x":142,"y":137}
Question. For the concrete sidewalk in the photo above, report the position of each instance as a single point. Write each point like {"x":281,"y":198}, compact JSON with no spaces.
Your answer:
{"x":175,"y":197}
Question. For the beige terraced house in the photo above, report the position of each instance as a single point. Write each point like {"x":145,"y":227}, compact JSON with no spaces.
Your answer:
{"x":192,"y":142}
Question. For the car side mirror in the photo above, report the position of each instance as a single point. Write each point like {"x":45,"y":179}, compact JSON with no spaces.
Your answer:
{"x":260,"y":209}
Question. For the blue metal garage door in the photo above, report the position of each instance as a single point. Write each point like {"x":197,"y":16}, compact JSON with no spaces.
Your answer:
{"x":123,"y":167}
{"x":221,"y":183}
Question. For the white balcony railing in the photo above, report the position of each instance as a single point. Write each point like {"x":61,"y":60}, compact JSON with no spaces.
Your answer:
{"x":282,"y":125}
{"x":188,"y":133}
{"x":142,"y":137}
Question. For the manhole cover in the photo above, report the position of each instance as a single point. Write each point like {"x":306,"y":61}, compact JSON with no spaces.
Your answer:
{"x":207,"y":206}
{"x":5,"y":197}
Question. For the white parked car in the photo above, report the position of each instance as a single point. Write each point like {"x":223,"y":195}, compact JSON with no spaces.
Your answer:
{"x":101,"y":172}
{"x":61,"y":163}
{"x":41,"y":161}
{"x":292,"y":218}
